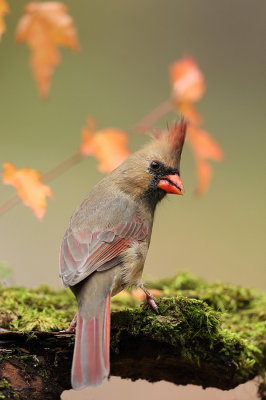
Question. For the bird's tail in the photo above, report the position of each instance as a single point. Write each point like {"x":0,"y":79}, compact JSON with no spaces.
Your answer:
{"x":91,"y":353}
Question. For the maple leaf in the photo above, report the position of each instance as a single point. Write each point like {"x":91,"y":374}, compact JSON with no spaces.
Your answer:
{"x":44,"y":27}
{"x":123,"y":293}
{"x":87,"y":136}
{"x":204,"y":148}
{"x":189,"y":111}
{"x":29,"y":187}
{"x":140,"y":295}
{"x":188,"y":86}
{"x":187,"y":80}
{"x":4,"y":10}
{"x":109,"y":146}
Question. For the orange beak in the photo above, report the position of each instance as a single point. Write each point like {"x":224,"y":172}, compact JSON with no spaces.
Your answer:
{"x":171,"y":184}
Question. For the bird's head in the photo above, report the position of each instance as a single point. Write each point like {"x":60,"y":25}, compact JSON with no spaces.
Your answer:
{"x":154,"y":171}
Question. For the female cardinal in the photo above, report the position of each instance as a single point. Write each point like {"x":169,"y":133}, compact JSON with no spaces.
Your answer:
{"x":105,"y":246}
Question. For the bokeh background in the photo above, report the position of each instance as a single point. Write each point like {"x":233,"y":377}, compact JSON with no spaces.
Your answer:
{"x":120,"y":74}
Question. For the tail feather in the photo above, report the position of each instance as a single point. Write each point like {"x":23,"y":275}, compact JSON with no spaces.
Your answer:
{"x":106,"y":335}
{"x":91,"y":353}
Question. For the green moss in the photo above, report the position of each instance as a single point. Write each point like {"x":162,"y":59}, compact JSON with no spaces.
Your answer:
{"x":4,"y":384}
{"x":41,"y":309}
{"x":185,"y":323}
{"x":213,"y":322}
{"x":5,"y":387}
{"x":182,"y":281}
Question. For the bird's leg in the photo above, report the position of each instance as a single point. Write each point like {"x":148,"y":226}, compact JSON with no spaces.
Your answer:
{"x":72,"y":326}
{"x":150,"y":299}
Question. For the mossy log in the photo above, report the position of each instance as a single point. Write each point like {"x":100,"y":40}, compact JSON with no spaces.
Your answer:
{"x":213,"y":335}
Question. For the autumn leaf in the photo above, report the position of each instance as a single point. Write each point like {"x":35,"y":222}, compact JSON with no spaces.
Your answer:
{"x":189,"y":111}
{"x":87,"y":136}
{"x":109,"y":146}
{"x":4,"y":10}
{"x":29,"y":187}
{"x":187,"y":80}
{"x":44,"y":27}
{"x":204,"y":148}
{"x":188,"y":86}
{"x":205,"y":173}
{"x":140,"y":295}
{"x":124,"y":294}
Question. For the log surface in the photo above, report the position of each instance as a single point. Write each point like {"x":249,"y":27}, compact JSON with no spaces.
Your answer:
{"x":213,"y":335}
{"x":38,"y":366}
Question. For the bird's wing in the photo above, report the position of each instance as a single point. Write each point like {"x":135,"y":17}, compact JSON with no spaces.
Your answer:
{"x":84,"y":251}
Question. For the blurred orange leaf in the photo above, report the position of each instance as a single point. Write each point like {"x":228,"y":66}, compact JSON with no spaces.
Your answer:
{"x":29,"y":187}
{"x":204,"y":148}
{"x":123,"y":293}
{"x":188,"y":86}
{"x":44,"y":27}
{"x":87,"y":136}
{"x":187,"y":80}
{"x":140,"y":295}
{"x":4,"y":9}
{"x":189,"y":111}
{"x":205,"y":173}
{"x":109,"y":146}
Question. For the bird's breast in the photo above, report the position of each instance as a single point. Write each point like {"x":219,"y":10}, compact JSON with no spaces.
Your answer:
{"x":133,"y":260}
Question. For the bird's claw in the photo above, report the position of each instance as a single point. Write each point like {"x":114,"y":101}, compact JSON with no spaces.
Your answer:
{"x":150,"y":300}
{"x":72,"y":326}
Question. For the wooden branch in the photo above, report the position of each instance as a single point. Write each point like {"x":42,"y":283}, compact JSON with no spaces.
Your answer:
{"x":38,"y":366}
{"x":187,"y":342}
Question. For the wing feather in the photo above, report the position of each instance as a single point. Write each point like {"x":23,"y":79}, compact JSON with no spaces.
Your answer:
{"x":83,"y":252}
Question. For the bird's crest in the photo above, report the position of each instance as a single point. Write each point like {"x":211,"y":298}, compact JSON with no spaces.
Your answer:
{"x":177,"y":134}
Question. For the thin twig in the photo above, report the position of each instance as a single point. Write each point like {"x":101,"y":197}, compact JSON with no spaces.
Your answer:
{"x":143,"y":125}
{"x":62,"y":167}
{"x":157,"y":113}
{"x":10,"y":203}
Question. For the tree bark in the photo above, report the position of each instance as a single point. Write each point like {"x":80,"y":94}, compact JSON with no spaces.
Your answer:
{"x":212,"y":335}
{"x":38,"y":366}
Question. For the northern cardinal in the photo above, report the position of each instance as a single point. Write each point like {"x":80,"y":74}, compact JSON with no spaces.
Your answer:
{"x":105,"y":246}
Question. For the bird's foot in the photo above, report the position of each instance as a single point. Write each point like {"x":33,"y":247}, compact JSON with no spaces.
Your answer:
{"x":150,"y":299}
{"x":72,"y":326}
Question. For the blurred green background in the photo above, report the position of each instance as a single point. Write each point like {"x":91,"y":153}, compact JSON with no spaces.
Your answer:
{"x":119,"y":75}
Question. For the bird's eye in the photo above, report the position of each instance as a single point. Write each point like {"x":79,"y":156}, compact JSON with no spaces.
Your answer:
{"x":155,"y":165}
